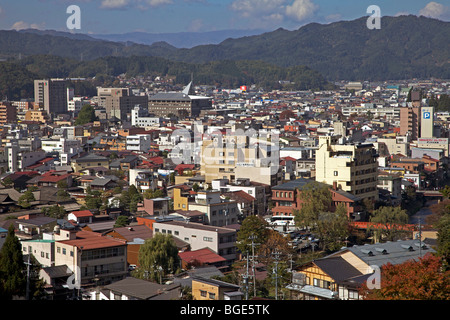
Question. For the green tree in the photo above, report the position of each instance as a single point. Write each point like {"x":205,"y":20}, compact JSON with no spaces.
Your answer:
{"x":12,"y":276}
{"x":333,"y":228}
{"x":121,"y":221}
{"x":56,"y":211}
{"x":158,"y":257}
{"x":315,"y":199}
{"x":388,"y":222}
{"x":86,"y":115}
{"x":26,"y":198}
{"x":253,"y":227}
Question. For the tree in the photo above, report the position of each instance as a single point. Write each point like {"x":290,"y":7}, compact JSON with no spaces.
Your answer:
{"x":55,"y":211}
{"x":424,"y":279}
{"x":315,"y":198}
{"x":158,"y":256}
{"x":121,"y":221}
{"x":388,"y":222}
{"x":443,"y":239}
{"x":333,"y":228}
{"x":12,"y":276}
{"x":86,"y":115}
{"x":253,"y":227}
{"x":26,"y":198}
{"x":151,"y":194}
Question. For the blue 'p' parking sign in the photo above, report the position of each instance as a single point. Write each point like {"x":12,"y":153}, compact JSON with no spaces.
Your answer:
{"x":426,"y":115}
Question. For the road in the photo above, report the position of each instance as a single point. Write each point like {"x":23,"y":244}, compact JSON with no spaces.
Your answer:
{"x":422,"y":213}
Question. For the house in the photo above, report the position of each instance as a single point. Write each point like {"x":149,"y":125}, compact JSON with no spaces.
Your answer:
{"x":88,"y":161}
{"x":83,"y":216}
{"x":210,"y":289}
{"x":33,"y":228}
{"x":155,"y":207}
{"x":201,"y":257}
{"x":341,"y":274}
{"x":135,"y":236}
{"x":56,"y":279}
{"x":136,"y":289}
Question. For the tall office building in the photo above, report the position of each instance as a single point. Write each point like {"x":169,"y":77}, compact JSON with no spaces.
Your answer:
{"x":51,"y":95}
{"x":410,"y":121}
{"x":119,"y":102}
{"x":350,"y":167}
{"x":427,"y":122}
{"x":181,"y":104}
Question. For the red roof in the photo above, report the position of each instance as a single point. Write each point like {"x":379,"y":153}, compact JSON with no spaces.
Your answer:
{"x":82,"y":213}
{"x":202,"y":256}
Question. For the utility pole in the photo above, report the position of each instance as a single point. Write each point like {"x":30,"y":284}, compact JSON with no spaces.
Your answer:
{"x":27,"y":294}
{"x":277,"y":257}
{"x":252,"y":237}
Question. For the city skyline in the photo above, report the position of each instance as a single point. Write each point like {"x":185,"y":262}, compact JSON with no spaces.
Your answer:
{"x":171,"y":16}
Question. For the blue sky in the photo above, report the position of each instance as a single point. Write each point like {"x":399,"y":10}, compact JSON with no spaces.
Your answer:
{"x":161,"y":16}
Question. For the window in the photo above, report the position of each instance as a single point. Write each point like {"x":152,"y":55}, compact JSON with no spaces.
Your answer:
{"x":208,"y":239}
{"x":212,"y":295}
{"x":64,"y":251}
{"x":353,"y":294}
{"x":335,"y":173}
{"x":203,"y":293}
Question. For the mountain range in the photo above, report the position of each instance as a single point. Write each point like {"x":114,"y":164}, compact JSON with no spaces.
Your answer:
{"x":405,"y":47}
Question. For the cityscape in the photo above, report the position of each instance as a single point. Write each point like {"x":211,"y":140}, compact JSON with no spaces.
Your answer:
{"x":147,"y":172}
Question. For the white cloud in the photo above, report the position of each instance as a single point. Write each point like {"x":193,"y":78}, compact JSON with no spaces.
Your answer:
{"x":114,"y":4}
{"x":21,"y":25}
{"x":140,"y":4}
{"x":264,"y":13}
{"x":301,"y":10}
{"x":435,"y":10}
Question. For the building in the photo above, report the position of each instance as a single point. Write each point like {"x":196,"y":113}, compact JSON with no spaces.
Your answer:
{"x":181,"y":104}
{"x":51,"y":95}
{"x":340,"y":275}
{"x":410,"y":122}
{"x":139,"y":142}
{"x":221,"y":240}
{"x":42,"y":250}
{"x":140,"y":117}
{"x":119,"y":102}
{"x":132,"y":288}
{"x":8,"y":113}
{"x":239,"y":157}
{"x":286,"y":198}
{"x":211,"y":289}
{"x":351,"y":167}
{"x":89,"y":161}
{"x":94,"y":259}
{"x":427,"y":122}
{"x":218,"y":211}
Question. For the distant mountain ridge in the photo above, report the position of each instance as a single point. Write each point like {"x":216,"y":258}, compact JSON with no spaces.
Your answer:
{"x":405,"y":47}
{"x":179,"y":39}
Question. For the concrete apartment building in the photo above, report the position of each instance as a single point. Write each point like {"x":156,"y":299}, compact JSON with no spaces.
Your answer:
{"x":119,"y":102}
{"x":140,"y":117}
{"x":218,"y":211}
{"x":51,"y":95}
{"x":351,"y":167}
{"x":8,"y":113}
{"x":93,"y":258}
{"x":221,"y":240}
{"x":241,"y":157}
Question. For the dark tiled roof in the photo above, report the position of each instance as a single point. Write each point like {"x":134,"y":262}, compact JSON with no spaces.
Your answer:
{"x":337,"y":268}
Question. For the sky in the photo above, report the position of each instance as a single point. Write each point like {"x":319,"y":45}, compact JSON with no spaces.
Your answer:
{"x":167,"y":16}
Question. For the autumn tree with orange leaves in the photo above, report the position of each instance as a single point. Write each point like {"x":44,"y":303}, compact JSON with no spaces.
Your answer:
{"x":425,"y":279}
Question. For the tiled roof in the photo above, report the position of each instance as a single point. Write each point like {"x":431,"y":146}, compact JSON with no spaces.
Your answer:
{"x":205,"y":255}
{"x":82,"y":213}
{"x":92,"y":240}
